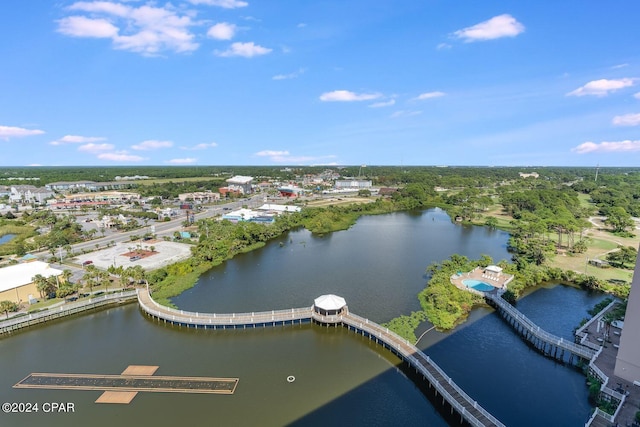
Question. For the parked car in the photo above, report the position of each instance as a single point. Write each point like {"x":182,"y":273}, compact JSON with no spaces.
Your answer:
{"x":87,"y":262}
{"x":135,"y":258}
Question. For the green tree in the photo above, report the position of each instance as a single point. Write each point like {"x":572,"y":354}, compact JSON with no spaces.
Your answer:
{"x":491,"y":222}
{"x":8,"y":307}
{"x":619,"y":219}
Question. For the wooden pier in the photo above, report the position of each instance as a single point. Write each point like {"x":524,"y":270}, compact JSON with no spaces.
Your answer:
{"x":548,"y":344}
{"x":458,"y":401}
{"x":124,"y":387}
{"x":20,"y":322}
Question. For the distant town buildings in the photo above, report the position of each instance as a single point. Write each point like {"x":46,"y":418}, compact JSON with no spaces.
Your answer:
{"x":238,"y":184}
{"x":67,"y":186}
{"x":130,"y":178}
{"x":352,"y":184}
{"x":29,"y":194}
{"x":199,"y":197}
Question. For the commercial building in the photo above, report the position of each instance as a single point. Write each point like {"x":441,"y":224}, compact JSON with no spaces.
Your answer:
{"x":65,"y":186}
{"x":628,"y":358}
{"x":241,"y":184}
{"x":199,"y":197}
{"x":29,"y":194}
{"x":352,"y":184}
{"x":16,"y":281}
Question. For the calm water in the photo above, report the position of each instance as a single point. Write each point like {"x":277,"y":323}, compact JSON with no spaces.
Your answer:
{"x":378,"y":267}
{"x":6,"y":238}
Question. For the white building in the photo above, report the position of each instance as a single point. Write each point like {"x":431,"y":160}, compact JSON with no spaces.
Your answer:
{"x":352,"y":184}
{"x":279,"y":208}
{"x":200,"y":196}
{"x":240,"y":183}
{"x":29,"y":194}
{"x":16,"y":281}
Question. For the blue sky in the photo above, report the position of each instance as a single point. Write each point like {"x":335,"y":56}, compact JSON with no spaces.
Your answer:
{"x":281,"y":82}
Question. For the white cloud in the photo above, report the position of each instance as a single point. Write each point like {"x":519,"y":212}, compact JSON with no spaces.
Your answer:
{"x":202,"y":146}
{"x":443,"y":46}
{"x":34,"y":164}
{"x":79,"y":26}
{"x":627,"y":120}
{"x":246,"y":50}
{"x":616,"y":67}
{"x":227,"y":4}
{"x":120,"y":156}
{"x":637,"y":95}
{"x":152,"y":144}
{"x":185,"y":161}
{"x":301,"y":25}
{"x":146,"y":29}
{"x":7,"y":132}
{"x":95,"y":148}
{"x":405,"y":113}
{"x":495,"y":28}
{"x":608,"y":147}
{"x":429,"y":95}
{"x":388,"y":103}
{"x":77,"y":139}
{"x":284,"y":157}
{"x":222,"y":31}
{"x":601,"y":87}
{"x":347,"y":96}
{"x":293,"y":75}
{"x":271,"y":153}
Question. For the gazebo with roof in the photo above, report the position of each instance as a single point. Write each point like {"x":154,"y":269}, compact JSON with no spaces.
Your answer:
{"x":329,"y":305}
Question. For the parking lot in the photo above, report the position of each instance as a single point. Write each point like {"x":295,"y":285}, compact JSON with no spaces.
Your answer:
{"x":166,"y":253}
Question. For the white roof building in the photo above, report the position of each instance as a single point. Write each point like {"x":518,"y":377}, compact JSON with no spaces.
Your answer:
{"x":279,"y":208}
{"x":329,"y":304}
{"x":22,"y":274}
{"x":240,"y":183}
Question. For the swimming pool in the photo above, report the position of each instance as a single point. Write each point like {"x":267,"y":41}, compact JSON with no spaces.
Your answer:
{"x":478,"y":285}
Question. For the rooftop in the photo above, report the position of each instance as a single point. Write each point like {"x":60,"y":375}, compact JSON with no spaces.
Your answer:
{"x":22,"y":274}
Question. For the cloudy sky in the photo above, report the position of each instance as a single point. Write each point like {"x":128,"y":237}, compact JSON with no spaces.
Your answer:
{"x":335,"y":82}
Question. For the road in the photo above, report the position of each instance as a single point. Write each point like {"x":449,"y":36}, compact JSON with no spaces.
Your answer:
{"x":169,"y":227}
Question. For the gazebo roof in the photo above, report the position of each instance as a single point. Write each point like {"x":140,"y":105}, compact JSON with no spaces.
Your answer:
{"x":329,"y":302}
{"x":494,"y":269}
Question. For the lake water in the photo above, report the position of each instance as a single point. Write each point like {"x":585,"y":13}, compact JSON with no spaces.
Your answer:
{"x":378,"y":266}
{"x":7,"y":237}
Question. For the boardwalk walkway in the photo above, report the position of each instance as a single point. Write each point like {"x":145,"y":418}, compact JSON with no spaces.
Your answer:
{"x":533,"y":330}
{"x":19,"y":322}
{"x":469,"y":410}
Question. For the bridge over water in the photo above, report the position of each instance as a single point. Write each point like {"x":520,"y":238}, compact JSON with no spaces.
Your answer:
{"x":549,"y":344}
{"x":435,"y":378}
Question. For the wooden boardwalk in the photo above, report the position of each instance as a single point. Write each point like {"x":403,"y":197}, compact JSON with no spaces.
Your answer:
{"x":533,"y":332}
{"x":468,"y":409}
{"x":20,"y":322}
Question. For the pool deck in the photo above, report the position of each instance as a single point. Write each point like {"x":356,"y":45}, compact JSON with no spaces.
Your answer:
{"x":499,"y":280}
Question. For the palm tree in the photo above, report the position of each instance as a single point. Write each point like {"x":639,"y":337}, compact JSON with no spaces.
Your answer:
{"x":7,"y":306}
{"x":66,"y":275}
{"x":42,"y":284}
{"x":90,"y":276}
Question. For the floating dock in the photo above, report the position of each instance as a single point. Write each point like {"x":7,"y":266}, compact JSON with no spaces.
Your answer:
{"x":124,"y":387}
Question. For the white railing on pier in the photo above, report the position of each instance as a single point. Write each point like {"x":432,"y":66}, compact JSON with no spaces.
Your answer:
{"x":420,"y":361}
{"x":213,"y":319}
{"x":408,"y":351}
{"x":540,"y":333}
{"x":581,"y":330}
{"x":70,"y":308}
